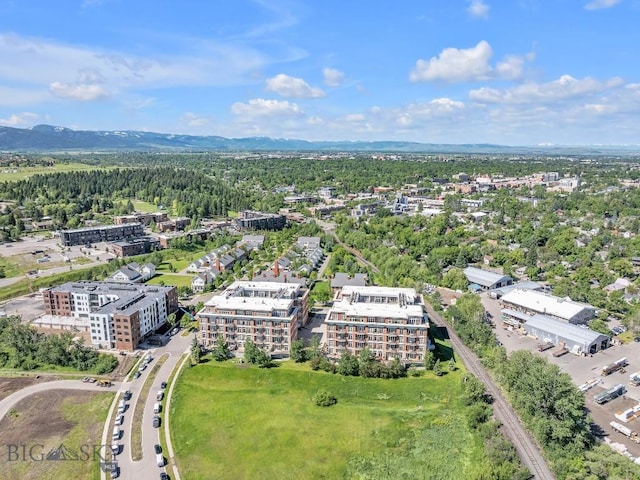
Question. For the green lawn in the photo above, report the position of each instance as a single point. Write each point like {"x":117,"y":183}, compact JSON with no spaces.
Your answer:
{"x":144,"y":207}
{"x":13,"y":174}
{"x":249,"y":423}
{"x":168,"y":279}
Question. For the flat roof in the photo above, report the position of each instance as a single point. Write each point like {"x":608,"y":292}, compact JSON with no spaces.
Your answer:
{"x":483,"y":277}
{"x":579,"y":335}
{"x":526,"y":285}
{"x":546,"y":304}
{"x":384,"y":310}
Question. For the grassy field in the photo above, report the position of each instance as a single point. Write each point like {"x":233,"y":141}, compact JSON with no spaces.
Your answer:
{"x":144,"y":207}
{"x":169,"y":279}
{"x":249,"y":423}
{"x":13,"y":174}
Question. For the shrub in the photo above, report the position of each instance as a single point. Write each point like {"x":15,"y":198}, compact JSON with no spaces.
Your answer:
{"x":322,"y":398}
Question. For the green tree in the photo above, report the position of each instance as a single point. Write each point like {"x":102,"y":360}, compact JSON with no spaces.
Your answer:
{"x":221,"y":351}
{"x":437,"y":368}
{"x":298,"y":351}
{"x":348,"y":365}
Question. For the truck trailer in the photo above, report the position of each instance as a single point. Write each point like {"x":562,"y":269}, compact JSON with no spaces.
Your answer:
{"x":626,"y":431}
{"x":613,"y":392}
{"x":614,"y":367}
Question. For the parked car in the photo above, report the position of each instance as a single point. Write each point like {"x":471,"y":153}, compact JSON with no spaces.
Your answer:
{"x":137,"y":374}
{"x":164,"y":476}
{"x":163,"y":385}
{"x":157,"y":448}
{"x":127,"y":395}
{"x":156,"y":421}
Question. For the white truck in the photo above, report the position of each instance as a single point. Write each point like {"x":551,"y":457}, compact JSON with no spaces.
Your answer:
{"x":634,"y":378}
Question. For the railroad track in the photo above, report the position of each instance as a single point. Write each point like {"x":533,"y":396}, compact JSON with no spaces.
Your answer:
{"x":527,"y":448}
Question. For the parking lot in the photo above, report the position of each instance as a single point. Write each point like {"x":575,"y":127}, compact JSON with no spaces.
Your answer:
{"x":583,"y":370}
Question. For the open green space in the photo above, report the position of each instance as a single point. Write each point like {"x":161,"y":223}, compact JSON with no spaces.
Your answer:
{"x":230,"y":423}
{"x":168,"y":279}
{"x":145,"y":207}
{"x":13,"y":174}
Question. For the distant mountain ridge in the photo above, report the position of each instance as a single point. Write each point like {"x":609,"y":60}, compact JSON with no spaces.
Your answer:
{"x":41,"y":138}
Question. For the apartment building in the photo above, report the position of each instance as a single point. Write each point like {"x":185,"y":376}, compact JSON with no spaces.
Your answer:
{"x":117,"y":315}
{"x":104,"y":233}
{"x":391,"y":322}
{"x":250,"y":220}
{"x":267,"y":313}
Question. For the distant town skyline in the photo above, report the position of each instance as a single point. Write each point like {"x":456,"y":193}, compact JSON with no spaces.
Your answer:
{"x":527,"y":72}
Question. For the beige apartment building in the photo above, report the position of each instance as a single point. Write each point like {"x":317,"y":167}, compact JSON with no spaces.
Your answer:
{"x":267,"y":313}
{"x":392,"y":322}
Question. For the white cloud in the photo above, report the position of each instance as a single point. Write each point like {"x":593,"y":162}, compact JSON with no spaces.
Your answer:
{"x":292,"y":87}
{"x":18,"y":119}
{"x":469,"y":64}
{"x":599,"y":4}
{"x":565,"y":87}
{"x":478,"y":9}
{"x":38,"y":63}
{"x":332,"y":77}
{"x":455,"y":65}
{"x":260,"y":107}
{"x":82,"y":92}
{"x":193,"y":120}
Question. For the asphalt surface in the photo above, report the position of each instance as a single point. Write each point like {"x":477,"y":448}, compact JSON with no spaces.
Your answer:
{"x":7,"y":403}
{"x":147,"y":467}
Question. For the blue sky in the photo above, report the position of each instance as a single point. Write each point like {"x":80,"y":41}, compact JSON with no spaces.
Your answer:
{"x":512,"y":72}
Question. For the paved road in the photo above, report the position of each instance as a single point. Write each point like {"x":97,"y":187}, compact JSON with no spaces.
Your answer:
{"x":8,"y":402}
{"x":527,"y":448}
{"x":147,"y":467}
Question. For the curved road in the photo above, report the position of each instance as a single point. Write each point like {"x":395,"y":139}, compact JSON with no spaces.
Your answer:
{"x":8,"y":402}
{"x":527,"y":448}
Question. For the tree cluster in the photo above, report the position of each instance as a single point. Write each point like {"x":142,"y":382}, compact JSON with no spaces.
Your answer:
{"x":22,"y":347}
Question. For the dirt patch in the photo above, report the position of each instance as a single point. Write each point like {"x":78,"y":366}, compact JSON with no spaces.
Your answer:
{"x":48,"y":422}
{"x":10,"y":385}
{"x":124,"y":364}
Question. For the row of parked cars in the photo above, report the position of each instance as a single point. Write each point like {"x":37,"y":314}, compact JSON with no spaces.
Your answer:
{"x":114,"y":470}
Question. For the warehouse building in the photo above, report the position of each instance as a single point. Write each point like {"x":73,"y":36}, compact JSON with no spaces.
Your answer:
{"x":575,"y":339}
{"x":480,"y":279}
{"x":533,"y":302}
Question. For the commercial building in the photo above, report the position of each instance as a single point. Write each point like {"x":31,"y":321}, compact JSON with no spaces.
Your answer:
{"x":267,"y":313}
{"x":575,"y":339}
{"x":250,"y":220}
{"x":118,"y":316}
{"x":531,"y":302}
{"x":104,"y":233}
{"x":480,"y":279}
{"x":391,"y":322}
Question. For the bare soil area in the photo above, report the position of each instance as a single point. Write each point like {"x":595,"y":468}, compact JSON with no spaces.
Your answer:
{"x":49,"y":427}
{"x":10,"y":385}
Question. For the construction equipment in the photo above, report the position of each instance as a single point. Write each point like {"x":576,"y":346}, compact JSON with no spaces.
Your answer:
{"x":614,"y":367}
{"x":613,"y":392}
{"x":626,"y":431}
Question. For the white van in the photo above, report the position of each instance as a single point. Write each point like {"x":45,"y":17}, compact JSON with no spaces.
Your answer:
{"x":115,"y":448}
{"x":160,"y":395}
{"x":119,"y":419}
{"x":157,"y":408}
{"x":121,"y":406}
{"x":160,"y":460}
{"x":116,"y":433}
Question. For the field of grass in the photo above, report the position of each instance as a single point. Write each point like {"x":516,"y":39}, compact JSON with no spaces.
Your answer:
{"x":144,"y":207}
{"x":237,"y":423}
{"x":13,"y":174}
{"x":169,"y":279}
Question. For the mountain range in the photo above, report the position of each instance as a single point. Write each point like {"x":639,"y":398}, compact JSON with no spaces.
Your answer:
{"x":43,"y":138}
